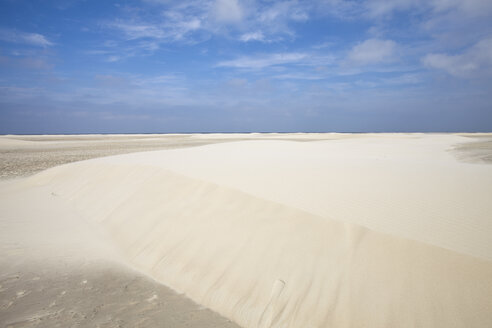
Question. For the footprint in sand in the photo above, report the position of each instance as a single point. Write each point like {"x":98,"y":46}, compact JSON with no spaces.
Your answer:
{"x":152,"y":298}
{"x":22,"y":293}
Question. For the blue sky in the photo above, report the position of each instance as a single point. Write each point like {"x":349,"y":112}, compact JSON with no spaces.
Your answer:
{"x":74,"y":66}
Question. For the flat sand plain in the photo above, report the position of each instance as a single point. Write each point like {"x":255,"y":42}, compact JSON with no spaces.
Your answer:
{"x":269,"y":230}
{"x":23,"y":155}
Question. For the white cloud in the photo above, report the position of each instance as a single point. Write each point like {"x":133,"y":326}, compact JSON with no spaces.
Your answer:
{"x":454,"y":24}
{"x":299,"y":76}
{"x":136,"y":31}
{"x":274,"y":19}
{"x":475,"y":61}
{"x":228,"y":11}
{"x":33,"y":39}
{"x":378,"y":8}
{"x":252,"y":36}
{"x":118,"y":51}
{"x":264,"y":61}
{"x":174,"y":28}
{"x":468,"y":7}
{"x":371,"y":51}
{"x":175,"y":23}
{"x":450,"y":23}
{"x":158,"y":80}
{"x":194,"y":20}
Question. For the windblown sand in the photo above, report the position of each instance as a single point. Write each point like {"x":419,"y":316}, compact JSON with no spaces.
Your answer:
{"x":382,"y":230}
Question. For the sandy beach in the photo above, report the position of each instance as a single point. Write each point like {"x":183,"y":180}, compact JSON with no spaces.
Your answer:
{"x":249,"y":230}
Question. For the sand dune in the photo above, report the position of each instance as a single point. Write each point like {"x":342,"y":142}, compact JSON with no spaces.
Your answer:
{"x":59,"y":270}
{"x":405,"y":185}
{"x":367,"y":231}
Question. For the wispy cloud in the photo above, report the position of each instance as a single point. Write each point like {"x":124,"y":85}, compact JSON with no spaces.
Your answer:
{"x":152,"y":58}
{"x":276,"y":18}
{"x":195,"y":21}
{"x":371,"y":51}
{"x":263,"y":61}
{"x":252,"y":36}
{"x":33,"y":39}
{"x":382,"y":8}
{"x":299,"y":76}
{"x":136,"y":30}
{"x":164,"y":22}
{"x":476,"y":61}
{"x":451,"y":22}
{"x":113,"y":51}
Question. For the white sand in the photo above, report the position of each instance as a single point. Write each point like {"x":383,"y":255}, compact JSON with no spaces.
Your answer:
{"x":363,"y":231}
{"x":405,"y":185}
{"x":58,"y":270}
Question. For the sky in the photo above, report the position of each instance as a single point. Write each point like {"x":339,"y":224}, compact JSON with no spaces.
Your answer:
{"x":149,"y":66}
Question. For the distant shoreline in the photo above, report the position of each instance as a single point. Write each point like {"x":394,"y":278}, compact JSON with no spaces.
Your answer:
{"x":242,"y":132}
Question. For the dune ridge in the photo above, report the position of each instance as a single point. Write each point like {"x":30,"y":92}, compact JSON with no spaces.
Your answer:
{"x":265,"y":264}
{"x":409,"y":186}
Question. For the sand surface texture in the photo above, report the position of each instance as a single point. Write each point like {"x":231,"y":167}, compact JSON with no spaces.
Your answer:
{"x":28,"y":154}
{"x":351,"y":231}
{"x":58,"y":270}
